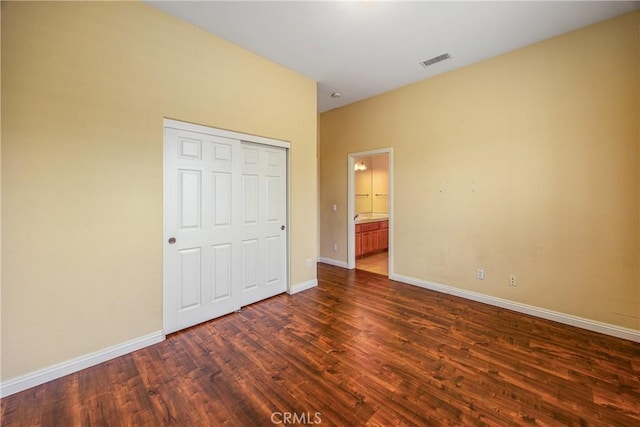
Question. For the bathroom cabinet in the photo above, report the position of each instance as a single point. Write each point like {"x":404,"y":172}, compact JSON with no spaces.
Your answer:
{"x":372,"y":237}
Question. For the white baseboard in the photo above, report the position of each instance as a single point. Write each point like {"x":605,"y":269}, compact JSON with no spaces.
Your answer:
{"x":567,"y":319}
{"x":59,"y":370}
{"x":303,"y":286}
{"x":332,"y":261}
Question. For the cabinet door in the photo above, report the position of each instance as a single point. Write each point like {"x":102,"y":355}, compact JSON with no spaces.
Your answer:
{"x":358,"y":244}
{"x":376,"y":241}
{"x":367,"y":242}
{"x":383,"y":239}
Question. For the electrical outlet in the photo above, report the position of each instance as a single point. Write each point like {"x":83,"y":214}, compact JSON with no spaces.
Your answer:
{"x":308,"y":263}
{"x":512,"y":280}
{"x":335,"y":247}
{"x":480,"y":274}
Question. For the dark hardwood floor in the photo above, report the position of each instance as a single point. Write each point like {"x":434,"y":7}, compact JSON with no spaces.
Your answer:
{"x":357,"y":350}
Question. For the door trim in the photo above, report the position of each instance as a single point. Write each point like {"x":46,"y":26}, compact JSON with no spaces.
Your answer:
{"x":245,"y":137}
{"x":242,"y":137}
{"x":351,"y":224}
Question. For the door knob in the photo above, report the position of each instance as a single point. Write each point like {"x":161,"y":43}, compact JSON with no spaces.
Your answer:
{"x":282,"y":227}
{"x":172,"y":240}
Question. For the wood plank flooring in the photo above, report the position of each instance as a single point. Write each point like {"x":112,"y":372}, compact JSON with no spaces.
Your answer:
{"x":357,"y":350}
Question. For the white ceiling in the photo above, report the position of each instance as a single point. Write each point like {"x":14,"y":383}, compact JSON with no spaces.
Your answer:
{"x":361,"y":49}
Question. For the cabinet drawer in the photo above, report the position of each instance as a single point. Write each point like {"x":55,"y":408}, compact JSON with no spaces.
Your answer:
{"x":384,"y":224}
{"x":369,"y":226}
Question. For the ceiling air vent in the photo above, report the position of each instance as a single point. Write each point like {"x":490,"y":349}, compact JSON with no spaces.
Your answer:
{"x":435,"y":59}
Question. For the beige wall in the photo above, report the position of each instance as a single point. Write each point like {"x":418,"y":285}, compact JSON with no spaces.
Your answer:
{"x":526,"y":164}
{"x":85,"y":89}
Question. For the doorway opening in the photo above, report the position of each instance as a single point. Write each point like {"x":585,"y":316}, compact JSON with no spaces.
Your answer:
{"x":370,"y":211}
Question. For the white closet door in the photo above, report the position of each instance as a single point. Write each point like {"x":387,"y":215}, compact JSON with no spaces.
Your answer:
{"x":225,"y":208}
{"x":264,"y":242}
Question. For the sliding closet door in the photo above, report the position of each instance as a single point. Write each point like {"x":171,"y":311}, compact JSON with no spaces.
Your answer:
{"x":264,"y":249}
{"x":225,"y":214}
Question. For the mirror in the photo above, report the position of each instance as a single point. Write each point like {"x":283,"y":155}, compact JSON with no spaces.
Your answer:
{"x":372,"y":184}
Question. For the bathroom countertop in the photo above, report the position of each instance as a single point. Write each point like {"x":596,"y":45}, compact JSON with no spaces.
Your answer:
{"x":371,"y":217}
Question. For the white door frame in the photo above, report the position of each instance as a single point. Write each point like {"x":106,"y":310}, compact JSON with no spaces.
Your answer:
{"x":192,"y":127}
{"x":351,"y":224}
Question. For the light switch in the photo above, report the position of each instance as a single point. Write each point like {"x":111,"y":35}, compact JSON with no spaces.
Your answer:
{"x":335,"y":207}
